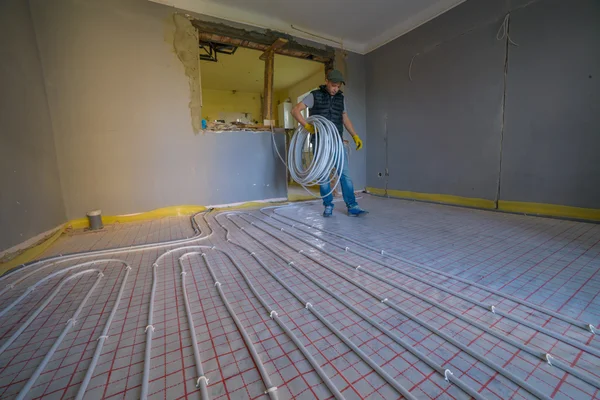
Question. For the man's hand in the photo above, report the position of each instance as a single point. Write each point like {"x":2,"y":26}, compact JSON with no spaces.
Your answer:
{"x":310,"y":128}
{"x":358,"y":142}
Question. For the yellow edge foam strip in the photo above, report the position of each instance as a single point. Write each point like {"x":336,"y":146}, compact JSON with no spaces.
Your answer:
{"x":32,"y":252}
{"x":144,"y":216}
{"x":551,"y":210}
{"x":437,"y":198}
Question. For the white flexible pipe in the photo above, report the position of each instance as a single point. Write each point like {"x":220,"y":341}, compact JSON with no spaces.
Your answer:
{"x":329,"y":153}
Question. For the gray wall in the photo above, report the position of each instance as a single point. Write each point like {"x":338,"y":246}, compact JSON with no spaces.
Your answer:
{"x":30,"y":195}
{"x":552,"y":136}
{"x":119,"y":98}
{"x":355,"y":95}
{"x":444,"y":129}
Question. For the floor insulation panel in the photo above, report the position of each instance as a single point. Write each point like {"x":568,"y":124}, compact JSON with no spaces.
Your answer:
{"x":413,"y":300}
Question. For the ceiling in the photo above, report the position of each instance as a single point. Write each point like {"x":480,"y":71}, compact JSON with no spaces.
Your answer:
{"x":243,"y":71}
{"x":360,"y":25}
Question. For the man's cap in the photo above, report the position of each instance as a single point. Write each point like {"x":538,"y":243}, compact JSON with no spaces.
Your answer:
{"x":335,"y":76}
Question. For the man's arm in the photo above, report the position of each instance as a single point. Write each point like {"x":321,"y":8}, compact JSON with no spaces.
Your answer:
{"x":297,"y":113}
{"x":348,"y":124}
{"x":350,"y":129}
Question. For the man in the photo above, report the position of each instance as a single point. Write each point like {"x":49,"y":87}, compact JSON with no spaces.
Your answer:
{"x":328,"y":101}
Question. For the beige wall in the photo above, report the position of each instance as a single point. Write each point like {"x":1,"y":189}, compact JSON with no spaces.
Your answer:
{"x":293,"y":92}
{"x":225,"y":101}
{"x":306,"y":85}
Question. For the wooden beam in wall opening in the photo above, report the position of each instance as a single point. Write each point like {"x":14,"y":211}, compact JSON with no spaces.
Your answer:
{"x":279,"y":43}
{"x":268,"y":94}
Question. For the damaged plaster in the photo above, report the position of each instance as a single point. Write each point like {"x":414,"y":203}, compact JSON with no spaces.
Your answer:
{"x":185,"y":44}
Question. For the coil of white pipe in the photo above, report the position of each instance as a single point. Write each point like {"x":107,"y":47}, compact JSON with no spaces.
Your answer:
{"x":328,"y":154}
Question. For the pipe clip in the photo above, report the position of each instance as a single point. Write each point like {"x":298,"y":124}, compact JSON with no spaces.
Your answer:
{"x":493,"y":309}
{"x":549,"y":359}
{"x":149,"y":326}
{"x":447,"y":374}
{"x":253,"y":254}
{"x":155,"y":265}
{"x":293,"y":225}
{"x":384,"y":300}
{"x":291,"y":263}
{"x":307,"y":305}
{"x":281,"y":229}
{"x":128,"y":268}
{"x":217,"y":283}
{"x":213,"y":248}
{"x":105,"y":337}
{"x":271,"y":389}
{"x":183,"y":273}
{"x":592,"y":328}
{"x":273,"y":312}
{"x":203,"y":254}
{"x":381,"y":252}
{"x":199,"y":379}
{"x":357,"y":267}
{"x":251,"y":223}
{"x":71,"y":320}
{"x":242,"y":229}
{"x":347,"y":248}
{"x":100,"y":275}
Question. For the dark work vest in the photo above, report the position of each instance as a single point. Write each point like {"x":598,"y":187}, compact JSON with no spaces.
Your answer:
{"x":328,"y":106}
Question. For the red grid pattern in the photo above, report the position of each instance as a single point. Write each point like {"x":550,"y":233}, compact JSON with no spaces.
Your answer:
{"x":549,"y":262}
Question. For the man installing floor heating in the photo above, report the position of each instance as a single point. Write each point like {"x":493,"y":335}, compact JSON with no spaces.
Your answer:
{"x":326,"y":123}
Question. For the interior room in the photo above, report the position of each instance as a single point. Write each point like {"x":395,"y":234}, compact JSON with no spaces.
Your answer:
{"x":228,"y":199}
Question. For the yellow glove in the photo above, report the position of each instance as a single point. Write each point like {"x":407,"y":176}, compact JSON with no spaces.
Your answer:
{"x":310,"y":128}
{"x":357,"y":141}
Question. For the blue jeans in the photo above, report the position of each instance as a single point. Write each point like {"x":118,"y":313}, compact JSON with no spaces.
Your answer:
{"x":345,"y":182}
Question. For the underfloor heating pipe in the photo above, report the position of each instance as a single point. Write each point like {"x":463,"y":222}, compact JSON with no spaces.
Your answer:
{"x":444,"y":372}
{"x":387,"y":377}
{"x":31,"y":288}
{"x":271,"y":389}
{"x":103,"y":337}
{"x":114,"y":250}
{"x":49,"y":298}
{"x":454,"y":342}
{"x":202,"y":381}
{"x":273,"y":314}
{"x":586,"y":326}
{"x":543,"y":356}
{"x":70,"y":323}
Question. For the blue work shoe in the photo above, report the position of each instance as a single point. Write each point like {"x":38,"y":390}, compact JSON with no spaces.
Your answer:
{"x":328,"y":212}
{"x":355,"y":211}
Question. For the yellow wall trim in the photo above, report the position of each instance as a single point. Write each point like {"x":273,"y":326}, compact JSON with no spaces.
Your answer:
{"x":549,"y":210}
{"x":173,"y":211}
{"x":32,"y":252}
{"x":436,"y":198}
{"x":552,"y":210}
